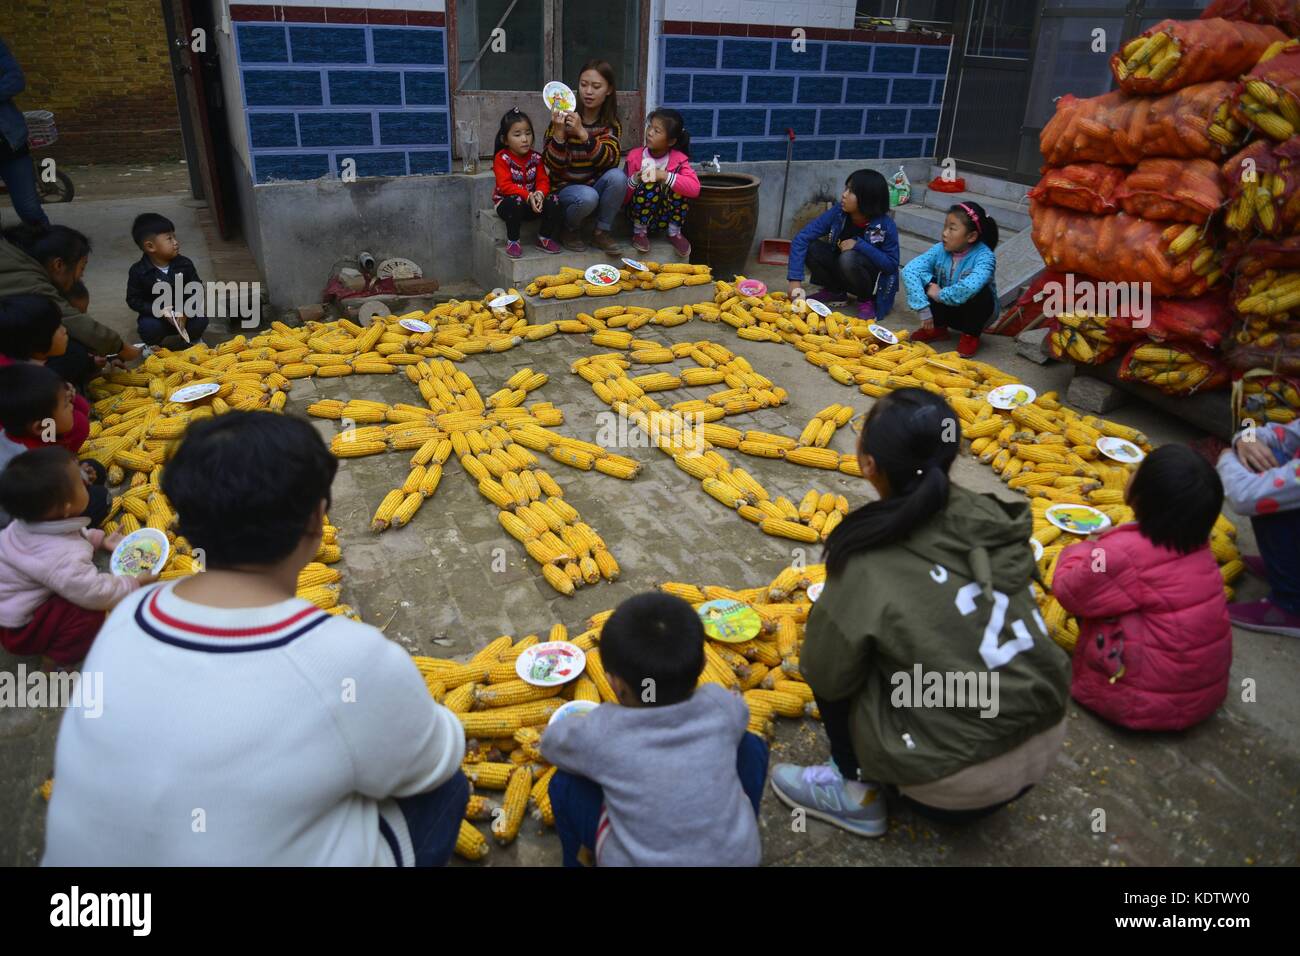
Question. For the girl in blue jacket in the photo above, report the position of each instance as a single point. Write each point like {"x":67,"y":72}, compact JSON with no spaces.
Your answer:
{"x":951,"y":284}
{"x":851,"y":249}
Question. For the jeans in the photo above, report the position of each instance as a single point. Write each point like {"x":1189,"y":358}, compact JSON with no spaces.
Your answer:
{"x":154,"y":330}
{"x":514,"y":210}
{"x":577,"y":801}
{"x":20,"y":176}
{"x":605,"y":196}
{"x":850,"y":272}
{"x":433,"y":821}
{"x":970,"y":317}
{"x":1278,"y":537}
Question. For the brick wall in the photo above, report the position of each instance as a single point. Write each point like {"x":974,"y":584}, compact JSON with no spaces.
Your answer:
{"x":103,"y":69}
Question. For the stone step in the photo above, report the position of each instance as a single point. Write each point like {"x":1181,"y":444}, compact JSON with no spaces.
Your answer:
{"x":1011,"y":215}
{"x":910,"y":245}
{"x":988,"y":185}
{"x":541,"y":311}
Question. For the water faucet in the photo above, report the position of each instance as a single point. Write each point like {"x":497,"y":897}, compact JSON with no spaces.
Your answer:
{"x":715,"y":164}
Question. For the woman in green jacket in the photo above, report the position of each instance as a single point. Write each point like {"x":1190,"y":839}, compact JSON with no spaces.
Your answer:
{"x":930,"y":663}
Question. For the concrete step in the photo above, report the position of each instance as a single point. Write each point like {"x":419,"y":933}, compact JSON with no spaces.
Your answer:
{"x":1011,"y":215}
{"x":910,"y":245}
{"x":987,"y":185}
{"x":541,"y":311}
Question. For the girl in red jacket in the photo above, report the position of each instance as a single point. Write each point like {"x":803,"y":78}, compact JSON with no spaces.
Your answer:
{"x":1155,"y":643}
{"x":660,"y":181}
{"x":522,"y":185}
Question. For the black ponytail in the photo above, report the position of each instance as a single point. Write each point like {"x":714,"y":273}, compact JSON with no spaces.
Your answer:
{"x":913,"y":436}
{"x":675,"y":127}
{"x":981,"y":223}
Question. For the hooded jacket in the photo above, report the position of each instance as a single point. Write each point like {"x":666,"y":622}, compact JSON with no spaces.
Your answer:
{"x":878,"y":244}
{"x":43,"y":558}
{"x":953,"y":597}
{"x":20,"y":274}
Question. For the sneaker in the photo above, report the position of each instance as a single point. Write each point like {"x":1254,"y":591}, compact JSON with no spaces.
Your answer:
{"x":830,"y":297}
{"x":820,"y":791}
{"x":1266,"y":617}
{"x":681,"y":244}
{"x":606,"y":243}
{"x":867,"y":310}
{"x":641,"y":242}
{"x":513,"y":249}
{"x":1255,"y":565}
{"x":933,"y":333}
{"x":548,"y":245}
{"x":572,"y":240}
{"x":968,"y":345}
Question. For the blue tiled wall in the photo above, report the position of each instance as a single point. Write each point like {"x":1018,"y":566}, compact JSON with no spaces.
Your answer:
{"x":844,"y":100}
{"x":316,"y":95}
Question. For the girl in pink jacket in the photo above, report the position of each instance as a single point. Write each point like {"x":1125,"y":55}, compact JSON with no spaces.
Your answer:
{"x":52,"y":598}
{"x":660,"y":180}
{"x":1155,"y":643}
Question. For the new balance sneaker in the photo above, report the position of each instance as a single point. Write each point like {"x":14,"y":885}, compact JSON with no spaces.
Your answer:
{"x":548,"y":245}
{"x":830,"y":297}
{"x":513,"y":249}
{"x":681,"y":244}
{"x":640,"y":242}
{"x":1266,"y":617}
{"x":822,"y":793}
{"x":968,"y":345}
{"x":931,"y":333}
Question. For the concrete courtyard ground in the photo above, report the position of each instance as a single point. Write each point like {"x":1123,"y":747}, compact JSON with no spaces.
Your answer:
{"x":1224,"y":793}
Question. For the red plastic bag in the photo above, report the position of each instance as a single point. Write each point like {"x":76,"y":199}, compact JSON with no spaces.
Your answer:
{"x":1086,"y":187}
{"x":1175,"y":190}
{"x":1194,"y":370}
{"x":1125,"y":249}
{"x":1207,"y":320}
{"x":941,"y":185}
{"x":1283,"y":14}
{"x":1120,"y":129}
{"x":1269,"y":96}
{"x":1264,"y":166}
{"x":1177,"y":53}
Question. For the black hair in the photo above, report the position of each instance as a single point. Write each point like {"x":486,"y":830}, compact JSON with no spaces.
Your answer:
{"x":246,"y":484}
{"x":1177,"y":496}
{"x":29,"y":393}
{"x":27,"y":325}
{"x":871,"y":190}
{"x":982,"y":223}
{"x":149,"y":224}
{"x":675,"y":127}
{"x":913,"y":436}
{"x":655,"y":637}
{"x":511,"y":117}
{"x":47,"y":243}
{"x":36,"y":482}
{"x":608,"y":115}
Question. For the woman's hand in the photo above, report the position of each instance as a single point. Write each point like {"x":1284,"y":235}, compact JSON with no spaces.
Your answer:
{"x":573,"y":126}
{"x":535,"y":199}
{"x":932,"y":291}
{"x":847,"y":244}
{"x":558,"y":131}
{"x":1255,"y":455}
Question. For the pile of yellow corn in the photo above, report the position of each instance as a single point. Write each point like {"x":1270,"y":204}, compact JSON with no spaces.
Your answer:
{"x":1271,"y":303}
{"x":1259,"y":201}
{"x":1151,"y":57}
{"x":1265,"y":397}
{"x":1082,"y":338}
{"x":1267,"y":105}
{"x":569,"y":283}
{"x":1175,"y":367}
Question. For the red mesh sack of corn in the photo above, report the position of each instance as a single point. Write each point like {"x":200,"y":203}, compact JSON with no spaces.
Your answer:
{"x":1269,"y":96}
{"x":1087,"y":187}
{"x":1264,"y":396}
{"x":1173,"y":190}
{"x":1177,"y":260}
{"x":1207,"y":320}
{"x":1245,"y":256}
{"x":1177,"y":53}
{"x":1267,"y":334}
{"x":1028,"y":308}
{"x":1175,"y":368}
{"x":1089,"y":339}
{"x":1277,"y":350}
{"x":1283,"y":14}
{"x":1264,"y":188}
{"x":1120,"y":129}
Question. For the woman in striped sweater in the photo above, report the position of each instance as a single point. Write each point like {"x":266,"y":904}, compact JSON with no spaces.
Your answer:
{"x":582,"y":156}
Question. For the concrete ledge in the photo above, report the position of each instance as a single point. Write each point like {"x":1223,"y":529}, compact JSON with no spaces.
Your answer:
{"x":1209,"y":411}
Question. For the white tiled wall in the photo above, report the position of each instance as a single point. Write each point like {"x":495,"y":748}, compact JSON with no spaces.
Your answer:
{"x":806,"y":13}
{"x":424,"y":6}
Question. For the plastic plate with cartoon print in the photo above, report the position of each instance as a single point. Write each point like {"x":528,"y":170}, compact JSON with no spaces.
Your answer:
{"x":1119,"y":449}
{"x":558,"y":96}
{"x":194,"y":393}
{"x":1078,"y":519}
{"x":573,"y":708}
{"x":140,"y":552}
{"x":415,"y":325}
{"x":1037,"y":547}
{"x":501,"y":301}
{"x":636,"y":265}
{"x":602,"y":273}
{"x":729,"y":621}
{"x":1012,"y":395}
{"x":752,"y":287}
{"x":821,"y":308}
{"x":815,"y":591}
{"x":883,"y":334}
{"x":550,"y":663}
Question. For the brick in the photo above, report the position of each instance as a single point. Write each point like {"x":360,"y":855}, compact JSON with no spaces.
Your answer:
{"x":336,"y":129}
{"x":866,"y":91}
{"x":426,"y":162}
{"x":703,"y":150}
{"x":698,"y":122}
{"x":859,"y":149}
{"x":742,"y":122}
{"x":365,"y":87}
{"x":821,"y":89}
{"x":690,"y":53}
{"x":716,"y":88}
{"x":894,"y":59}
{"x":923,"y":121}
{"x":848,"y":57}
{"x":803,"y":122}
{"x":746,"y":55}
{"x":808,"y":60}
{"x":426,"y":88}
{"x":769,"y":89}
{"x":835,"y":122}
{"x":902,"y":148}
{"x":261,"y":44}
{"x":312,"y":44}
{"x":409,"y":127}
{"x":932,"y":60}
{"x":423,"y":47}
{"x":910,"y":91}
{"x":886,"y":121}
{"x":677,"y":87}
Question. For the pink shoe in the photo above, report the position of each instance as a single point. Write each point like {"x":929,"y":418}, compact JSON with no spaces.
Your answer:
{"x":681,"y":244}
{"x":513,"y":249}
{"x":548,"y":245}
{"x":640,"y":242}
{"x":1266,"y":617}
{"x":934,"y":333}
{"x":866,"y":310}
{"x":968,"y":345}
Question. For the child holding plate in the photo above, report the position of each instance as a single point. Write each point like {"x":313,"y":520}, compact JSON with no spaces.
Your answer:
{"x":582,"y":154}
{"x":52,"y":597}
{"x":1155,"y":644}
{"x":951,"y":284}
{"x":660,"y":181}
{"x":522,"y":185}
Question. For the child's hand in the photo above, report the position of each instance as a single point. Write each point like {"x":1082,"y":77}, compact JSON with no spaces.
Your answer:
{"x":88,"y":473}
{"x":111,"y":541}
{"x":149,"y":578}
{"x":932,"y":291}
{"x":847,"y":244}
{"x":796,"y":290}
{"x":1255,"y":455}
{"x":660,"y":174}
{"x":535,"y":200}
